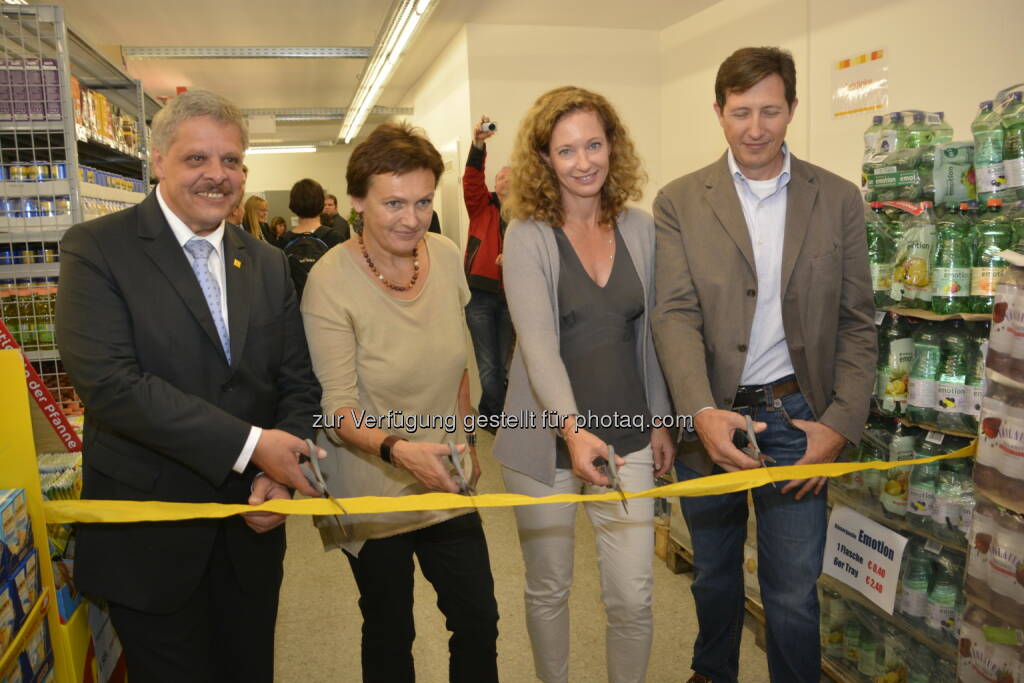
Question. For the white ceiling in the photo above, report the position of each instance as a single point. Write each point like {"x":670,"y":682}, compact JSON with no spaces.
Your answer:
{"x":250,"y":83}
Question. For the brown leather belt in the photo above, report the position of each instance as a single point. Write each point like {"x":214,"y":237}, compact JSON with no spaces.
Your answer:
{"x":764,"y":394}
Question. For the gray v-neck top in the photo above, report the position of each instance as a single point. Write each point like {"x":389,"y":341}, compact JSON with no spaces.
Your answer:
{"x":597,"y":339}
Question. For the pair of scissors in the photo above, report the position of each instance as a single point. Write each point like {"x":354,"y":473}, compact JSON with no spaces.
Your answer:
{"x":459,"y":476}
{"x":754,"y":451}
{"x":316,"y":479}
{"x":609,"y":467}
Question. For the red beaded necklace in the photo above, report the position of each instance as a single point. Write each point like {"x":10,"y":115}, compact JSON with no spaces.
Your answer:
{"x":388,"y":283}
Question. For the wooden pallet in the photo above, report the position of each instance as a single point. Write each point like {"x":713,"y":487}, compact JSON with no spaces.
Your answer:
{"x":678,"y":558}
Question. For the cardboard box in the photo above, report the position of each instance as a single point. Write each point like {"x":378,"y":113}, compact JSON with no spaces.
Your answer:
{"x":25,"y":585}
{"x":15,"y":530}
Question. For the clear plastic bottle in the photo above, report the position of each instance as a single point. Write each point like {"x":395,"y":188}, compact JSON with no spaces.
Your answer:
{"x":941,"y":617}
{"x":893,"y":496}
{"x":921,"y":496}
{"x":942,"y":132}
{"x":919,"y":134}
{"x":1013,"y":140}
{"x":894,"y":366}
{"x":951,"y":394}
{"x":951,"y":267}
{"x":988,"y":151}
{"x":916,"y":579}
{"x":978,"y":340}
{"x":914,"y":261}
{"x":872,"y":137}
{"x":881,"y":254}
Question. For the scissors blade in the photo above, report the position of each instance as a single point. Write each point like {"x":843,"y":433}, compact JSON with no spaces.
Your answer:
{"x":613,"y":477}
{"x":460,"y":477}
{"x":754,"y":451}
{"x":317,"y":480}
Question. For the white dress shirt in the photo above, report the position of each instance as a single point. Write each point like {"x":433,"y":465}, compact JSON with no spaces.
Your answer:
{"x":764,"y":207}
{"x":183,"y":234}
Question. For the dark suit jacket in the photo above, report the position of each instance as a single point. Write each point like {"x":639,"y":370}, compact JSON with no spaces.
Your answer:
{"x":338,"y":224}
{"x":707,"y":293}
{"x":165,"y":415}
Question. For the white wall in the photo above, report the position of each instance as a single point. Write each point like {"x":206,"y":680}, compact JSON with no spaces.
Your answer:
{"x":942,"y":55}
{"x":690,"y":54}
{"x":440,"y":103}
{"x":510,"y":66}
{"x":281,"y":171}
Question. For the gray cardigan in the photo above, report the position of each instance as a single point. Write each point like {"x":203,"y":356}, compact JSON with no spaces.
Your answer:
{"x":538,"y":380}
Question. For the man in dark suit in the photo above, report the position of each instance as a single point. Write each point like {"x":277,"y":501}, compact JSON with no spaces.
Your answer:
{"x":183,"y":338}
{"x":332,"y":219}
{"x":764,"y":308}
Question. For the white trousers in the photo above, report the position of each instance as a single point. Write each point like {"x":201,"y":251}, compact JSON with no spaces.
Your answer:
{"x":625,"y":547}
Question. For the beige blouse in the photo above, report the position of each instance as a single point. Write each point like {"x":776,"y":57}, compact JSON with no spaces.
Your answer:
{"x":401,"y":361}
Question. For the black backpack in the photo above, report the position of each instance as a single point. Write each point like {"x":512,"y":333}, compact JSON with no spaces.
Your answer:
{"x":303,"y":251}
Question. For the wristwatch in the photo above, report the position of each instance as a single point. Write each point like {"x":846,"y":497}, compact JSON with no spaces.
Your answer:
{"x":385,"y":449}
{"x":471,"y":439}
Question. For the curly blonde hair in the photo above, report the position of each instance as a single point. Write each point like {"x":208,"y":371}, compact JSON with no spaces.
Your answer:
{"x":535,"y":191}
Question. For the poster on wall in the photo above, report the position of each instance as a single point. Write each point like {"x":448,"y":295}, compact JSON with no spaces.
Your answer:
{"x":860,"y":83}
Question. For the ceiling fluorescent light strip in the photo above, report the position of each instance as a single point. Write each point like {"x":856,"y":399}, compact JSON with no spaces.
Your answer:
{"x":297,"y":149}
{"x":388,"y":50}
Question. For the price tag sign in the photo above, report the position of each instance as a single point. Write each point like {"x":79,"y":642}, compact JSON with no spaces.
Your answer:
{"x":864,"y":555}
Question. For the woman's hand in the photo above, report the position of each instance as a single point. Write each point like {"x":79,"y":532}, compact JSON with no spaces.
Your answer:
{"x":584,"y":448}
{"x":663,"y":448}
{"x":426,"y":462}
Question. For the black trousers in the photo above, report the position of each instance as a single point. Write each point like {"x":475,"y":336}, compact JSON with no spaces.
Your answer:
{"x":220,"y":634}
{"x":453,"y":557}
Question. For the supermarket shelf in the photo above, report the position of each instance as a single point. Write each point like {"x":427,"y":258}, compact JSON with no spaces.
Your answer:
{"x":933,"y":428}
{"x":928,"y":315}
{"x":38,"y":612}
{"x":86,"y":136}
{"x":838,"y":496}
{"x":47,"y":354}
{"x":41,"y":222}
{"x":31,"y":126}
{"x":111,"y":193}
{"x":29,"y":270}
{"x":839,"y":671}
{"x":47,"y":188}
{"x":944,"y":650}
{"x":47,"y":234}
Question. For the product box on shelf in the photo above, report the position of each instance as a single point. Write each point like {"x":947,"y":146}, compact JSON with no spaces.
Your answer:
{"x":15,"y":530}
{"x":34,"y":663}
{"x":990,"y":649}
{"x":8,"y":620}
{"x":24,"y":586}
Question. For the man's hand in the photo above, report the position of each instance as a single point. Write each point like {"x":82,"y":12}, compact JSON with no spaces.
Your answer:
{"x":277,"y":455}
{"x":715,"y":428}
{"x":823,"y":445}
{"x":663,"y":449}
{"x":263,"y":489}
{"x":426,"y":462}
{"x":480,"y":134}
{"x":498,"y":261}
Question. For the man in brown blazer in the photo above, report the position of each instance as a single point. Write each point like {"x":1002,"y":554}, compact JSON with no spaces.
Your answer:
{"x":764,"y":308}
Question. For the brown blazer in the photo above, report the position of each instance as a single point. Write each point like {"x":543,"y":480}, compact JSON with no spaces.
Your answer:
{"x":707,"y":292}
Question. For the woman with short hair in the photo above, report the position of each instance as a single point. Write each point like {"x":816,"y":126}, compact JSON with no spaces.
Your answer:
{"x":387,"y":335}
{"x":579,"y":279}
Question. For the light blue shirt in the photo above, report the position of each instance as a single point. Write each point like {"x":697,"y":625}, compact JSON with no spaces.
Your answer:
{"x":183,"y":233}
{"x":764,"y":208}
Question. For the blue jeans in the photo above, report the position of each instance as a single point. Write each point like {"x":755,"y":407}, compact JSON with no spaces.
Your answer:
{"x":790,"y":545}
{"x":491,"y":328}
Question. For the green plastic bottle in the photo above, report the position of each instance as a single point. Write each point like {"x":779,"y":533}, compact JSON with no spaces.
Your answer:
{"x":881,"y":254}
{"x":992,"y":234}
{"x":978,"y":342}
{"x":942,"y":132}
{"x":921,"y":496}
{"x":951,"y":393}
{"x":951,"y":267}
{"x":918,"y":134}
{"x":872,"y":137}
{"x":894,"y":134}
{"x":924,"y":374}
{"x":894,"y":365}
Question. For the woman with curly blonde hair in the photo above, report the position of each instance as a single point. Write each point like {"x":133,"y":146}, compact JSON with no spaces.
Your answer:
{"x":579,"y":279}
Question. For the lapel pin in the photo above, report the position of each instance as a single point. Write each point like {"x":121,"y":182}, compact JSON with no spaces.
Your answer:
{"x":237,"y":263}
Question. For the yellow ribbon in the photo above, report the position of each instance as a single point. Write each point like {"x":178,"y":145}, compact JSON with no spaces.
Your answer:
{"x":121,"y":511}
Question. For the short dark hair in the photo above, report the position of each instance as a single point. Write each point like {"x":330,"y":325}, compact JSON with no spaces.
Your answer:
{"x":332,"y":198}
{"x":393,"y":148}
{"x":307,"y":198}
{"x":748,"y":66}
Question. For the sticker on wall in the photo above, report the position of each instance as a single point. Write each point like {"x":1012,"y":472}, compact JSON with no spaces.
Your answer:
{"x":860,"y":83}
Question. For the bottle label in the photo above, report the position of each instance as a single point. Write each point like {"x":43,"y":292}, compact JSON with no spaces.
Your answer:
{"x":951,"y":282}
{"x":936,"y":438}
{"x":977,"y":395}
{"x":1001,"y":440}
{"x":941,"y":617}
{"x":922,"y":393}
{"x":951,"y":398}
{"x":1006,"y":313}
{"x":946,"y":511}
{"x":881,"y":277}
{"x":1014,"y":171}
{"x":1005,"y":559}
{"x":920,"y":500}
{"x":990,"y":178}
{"x":984,"y":280}
{"x":894,"y":377}
{"x":915,"y":601}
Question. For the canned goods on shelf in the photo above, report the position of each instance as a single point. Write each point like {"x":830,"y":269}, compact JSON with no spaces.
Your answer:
{"x":25,"y":254}
{"x":46,"y":207}
{"x":48,"y":255}
{"x":17,"y":172}
{"x":59,"y":170}
{"x":38,"y":172}
{"x":62,"y":206}
{"x":6,"y":256}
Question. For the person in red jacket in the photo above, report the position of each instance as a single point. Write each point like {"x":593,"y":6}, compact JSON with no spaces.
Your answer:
{"x":487,"y":313}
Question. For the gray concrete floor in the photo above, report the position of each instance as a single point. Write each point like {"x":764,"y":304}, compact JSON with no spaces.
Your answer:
{"x":319,"y":622}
